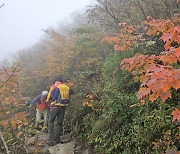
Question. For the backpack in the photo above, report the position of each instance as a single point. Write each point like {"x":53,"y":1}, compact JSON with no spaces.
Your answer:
{"x":63,"y":97}
{"x":41,"y":105}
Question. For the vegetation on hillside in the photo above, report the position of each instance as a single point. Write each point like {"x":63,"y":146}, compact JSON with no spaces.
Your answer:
{"x":124,"y":63}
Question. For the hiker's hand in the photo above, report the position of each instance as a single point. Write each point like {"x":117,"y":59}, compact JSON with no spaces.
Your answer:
{"x":30,"y":106}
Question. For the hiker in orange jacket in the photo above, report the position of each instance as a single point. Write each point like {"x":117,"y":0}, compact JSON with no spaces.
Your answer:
{"x":41,"y":108}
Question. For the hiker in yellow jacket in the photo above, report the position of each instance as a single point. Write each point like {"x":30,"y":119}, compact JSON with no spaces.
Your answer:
{"x":59,"y":97}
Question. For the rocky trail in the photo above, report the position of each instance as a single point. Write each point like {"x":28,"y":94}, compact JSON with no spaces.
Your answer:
{"x":38,"y":144}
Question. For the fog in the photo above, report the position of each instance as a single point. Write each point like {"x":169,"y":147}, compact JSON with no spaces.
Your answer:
{"x":22,"y":21}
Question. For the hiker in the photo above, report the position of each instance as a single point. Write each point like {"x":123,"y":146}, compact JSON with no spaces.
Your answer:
{"x":41,"y":108}
{"x":59,"y":97}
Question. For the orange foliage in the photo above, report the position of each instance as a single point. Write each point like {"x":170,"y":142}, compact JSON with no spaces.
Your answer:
{"x":17,"y":119}
{"x":157,"y":26}
{"x":10,"y":96}
{"x":155,"y":72}
{"x":125,"y":39}
{"x":157,"y":79}
{"x":176,"y":115}
{"x":9,"y":88}
{"x":88,"y":101}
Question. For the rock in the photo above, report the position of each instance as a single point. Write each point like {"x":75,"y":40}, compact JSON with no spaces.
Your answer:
{"x":39,"y":144}
{"x":43,"y":137}
{"x":82,"y":148}
{"x":30,"y":141}
{"x":67,"y":148}
{"x":85,"y":152}
{"x":171,"y":151}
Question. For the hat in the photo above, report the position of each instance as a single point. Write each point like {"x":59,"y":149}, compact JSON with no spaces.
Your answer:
{"x":44,"y":93}
{"x":58,"y":78}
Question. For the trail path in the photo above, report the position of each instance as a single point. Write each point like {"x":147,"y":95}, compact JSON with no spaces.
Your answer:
{"x":67,"y":148}
{"x":38,"y":144}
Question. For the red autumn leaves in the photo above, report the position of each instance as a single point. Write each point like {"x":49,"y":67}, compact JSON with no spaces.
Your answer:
{"x":176,"y":115}
{"x":125,"y":39}
{"x":155,"y":72}
{"x":156,"y":80}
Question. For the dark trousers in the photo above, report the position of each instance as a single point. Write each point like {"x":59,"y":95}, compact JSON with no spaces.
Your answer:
{"x":59,"y":114}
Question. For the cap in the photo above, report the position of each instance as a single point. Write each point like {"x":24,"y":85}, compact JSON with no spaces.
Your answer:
{"x":44,"y":93}
{"x":58,"y":78}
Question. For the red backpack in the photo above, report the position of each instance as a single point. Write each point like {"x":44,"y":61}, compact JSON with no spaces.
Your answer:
{"x":42,"y":104}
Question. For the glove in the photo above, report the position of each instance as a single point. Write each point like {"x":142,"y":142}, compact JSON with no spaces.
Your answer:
{"x":30,"y":106}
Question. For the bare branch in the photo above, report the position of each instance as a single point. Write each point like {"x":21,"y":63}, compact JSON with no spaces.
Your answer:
{"x":2,"y":5}
{"x":6,"y":71}
{"x":9,"y":76}
{"x":142,"y":10}
{"x":168,"y":9}
{"x":4,"y":142}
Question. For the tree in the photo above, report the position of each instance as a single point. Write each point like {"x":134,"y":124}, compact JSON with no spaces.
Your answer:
{"x":11,"y":106}
{"x":155,"y":72}
{"x":109,"y":13}
{"x":2,"y":5}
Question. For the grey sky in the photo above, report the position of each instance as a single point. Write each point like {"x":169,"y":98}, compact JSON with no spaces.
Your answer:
{"x":22,"y":21}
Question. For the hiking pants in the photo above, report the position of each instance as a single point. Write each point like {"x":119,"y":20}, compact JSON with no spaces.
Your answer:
{"x":39,"y":114}
{"x":59,"y":114}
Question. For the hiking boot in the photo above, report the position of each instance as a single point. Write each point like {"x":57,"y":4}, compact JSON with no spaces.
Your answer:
{"x":51,"y":143}
{"x":57,"y":142}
